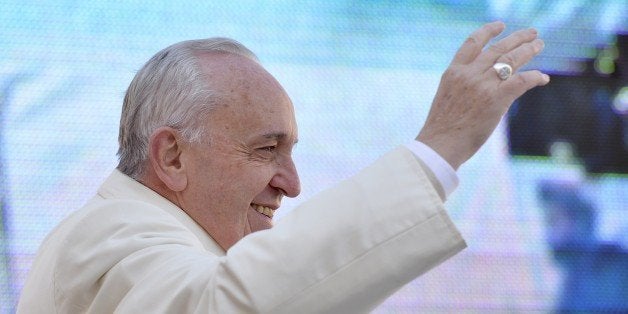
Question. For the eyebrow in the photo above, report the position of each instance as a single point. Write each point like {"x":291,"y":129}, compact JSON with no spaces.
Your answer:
{"x":277,"y":136}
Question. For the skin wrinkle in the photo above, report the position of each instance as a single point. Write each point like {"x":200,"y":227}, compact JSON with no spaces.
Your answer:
{"x":250,"y":159}
{"x":243,"y":169}
{"x":250,"y":156}
{"x":215,"y":185}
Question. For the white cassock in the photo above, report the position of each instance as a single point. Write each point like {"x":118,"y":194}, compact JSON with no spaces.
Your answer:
{"x":129,"y":250}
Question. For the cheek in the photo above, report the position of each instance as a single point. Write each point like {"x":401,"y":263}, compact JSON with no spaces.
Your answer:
{"x":251,"y":176}
{"x":240,"y":185}
{"x":232,"y":179}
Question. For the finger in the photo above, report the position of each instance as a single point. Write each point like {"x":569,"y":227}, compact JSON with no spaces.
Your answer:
{"x":474,"y":44}
{"x":507,"y":44}
{"x":522,"y":54}
{"x":521,"y":82}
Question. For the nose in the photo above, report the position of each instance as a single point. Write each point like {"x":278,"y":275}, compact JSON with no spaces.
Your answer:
{"x":287,"y":179}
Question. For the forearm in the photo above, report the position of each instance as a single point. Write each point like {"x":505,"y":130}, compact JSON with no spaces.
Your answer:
{"x":355,"y":244}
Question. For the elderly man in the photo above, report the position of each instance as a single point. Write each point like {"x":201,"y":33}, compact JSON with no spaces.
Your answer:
{"x":206,"y":138}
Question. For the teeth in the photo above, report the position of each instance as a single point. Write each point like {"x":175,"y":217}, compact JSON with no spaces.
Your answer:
{"x":267,"y":211}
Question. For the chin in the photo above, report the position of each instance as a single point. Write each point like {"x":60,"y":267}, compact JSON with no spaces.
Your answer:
{"x":258,"y":222}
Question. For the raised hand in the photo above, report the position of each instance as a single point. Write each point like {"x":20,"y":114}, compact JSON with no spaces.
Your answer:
{"x":472,"y":97}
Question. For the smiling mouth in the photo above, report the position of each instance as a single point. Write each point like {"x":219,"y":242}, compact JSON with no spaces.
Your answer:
{"x":266,"y":211}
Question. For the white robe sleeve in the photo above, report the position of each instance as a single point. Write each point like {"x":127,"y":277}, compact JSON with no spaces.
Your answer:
{"x":344,"y":251}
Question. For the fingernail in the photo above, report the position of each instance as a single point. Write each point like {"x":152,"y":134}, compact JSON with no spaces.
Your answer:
{"x":546,"y":78}
{"x":499,"y":23}
{"x":538,"y":45}
{"x":533,"y":31}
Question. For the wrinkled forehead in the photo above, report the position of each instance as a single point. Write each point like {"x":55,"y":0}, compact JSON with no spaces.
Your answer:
{"x":248,"y":92}
{"x":232,"y":73}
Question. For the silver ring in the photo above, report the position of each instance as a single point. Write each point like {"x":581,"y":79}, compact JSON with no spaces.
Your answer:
{"x":504,"y":71}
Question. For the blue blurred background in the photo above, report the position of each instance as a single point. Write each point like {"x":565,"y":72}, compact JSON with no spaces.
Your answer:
{"x":543,"y":206}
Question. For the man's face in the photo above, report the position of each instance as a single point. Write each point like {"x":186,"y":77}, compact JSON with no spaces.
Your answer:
{"x":243,"y":167}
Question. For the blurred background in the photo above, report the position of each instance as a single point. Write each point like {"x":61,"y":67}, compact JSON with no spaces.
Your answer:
{"x":543,"y":206}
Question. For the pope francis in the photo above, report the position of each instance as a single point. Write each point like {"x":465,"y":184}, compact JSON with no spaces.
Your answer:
{"x":206,"y":136}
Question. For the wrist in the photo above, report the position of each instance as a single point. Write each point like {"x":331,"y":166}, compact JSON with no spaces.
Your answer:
{"x":444,"y":148}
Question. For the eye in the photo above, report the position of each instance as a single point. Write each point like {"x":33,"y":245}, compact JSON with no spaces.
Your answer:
{"x":269,"y":149}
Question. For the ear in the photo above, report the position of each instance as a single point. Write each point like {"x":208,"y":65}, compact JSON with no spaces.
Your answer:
{"x":164,"y":151}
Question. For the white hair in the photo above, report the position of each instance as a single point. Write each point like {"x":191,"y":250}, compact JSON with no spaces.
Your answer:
{"x":169,"y":90}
